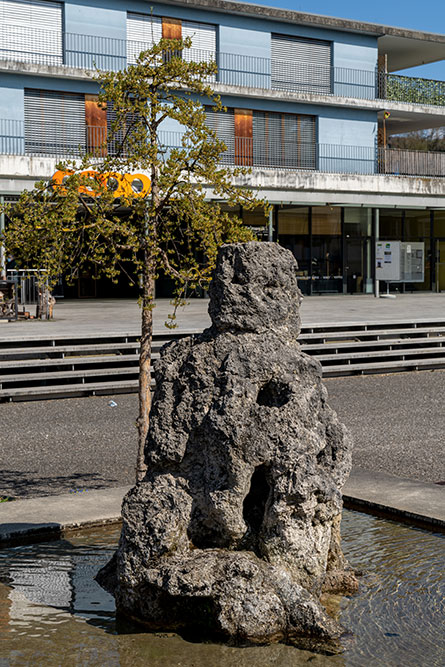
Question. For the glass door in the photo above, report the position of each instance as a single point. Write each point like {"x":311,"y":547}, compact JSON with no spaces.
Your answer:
{"x":357,"y":265}
{"x":440,"y":265}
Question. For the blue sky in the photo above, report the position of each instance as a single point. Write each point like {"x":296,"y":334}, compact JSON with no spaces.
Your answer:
{"x":426,"y":15}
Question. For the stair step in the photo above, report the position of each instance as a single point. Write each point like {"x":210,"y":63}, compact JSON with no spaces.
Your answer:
{"x":41,"y":364}
{"x":344,"y":356}
{"x":69,"y":350}
{"x":382,"y":366}
{"x":54,"y":367}
{"x":60,"y":391}
{"x":402,"y":342}
{"x":82,"y":339}
{"x":49,"y":378}
{"x":372,"y":325}
{"x":333,"y":336}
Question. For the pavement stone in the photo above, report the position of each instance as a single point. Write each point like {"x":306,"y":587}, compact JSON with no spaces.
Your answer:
{"x":49,"y":448}
{"x":123,"y":315}
{"x":43,"y":518}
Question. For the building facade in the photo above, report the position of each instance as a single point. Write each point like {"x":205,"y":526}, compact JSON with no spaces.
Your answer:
{"x":313,"y":103}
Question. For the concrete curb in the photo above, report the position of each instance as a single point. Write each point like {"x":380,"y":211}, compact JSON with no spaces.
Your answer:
{"x":48,"y":517}
{"x":407,"y":500}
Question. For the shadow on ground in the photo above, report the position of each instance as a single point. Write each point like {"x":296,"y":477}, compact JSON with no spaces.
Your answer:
{"x":19,"y":484}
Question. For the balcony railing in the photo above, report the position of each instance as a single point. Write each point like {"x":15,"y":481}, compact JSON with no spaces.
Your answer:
{"x":32,"y":45}
{"x":72,"y":141}
{"x":413,"y":90}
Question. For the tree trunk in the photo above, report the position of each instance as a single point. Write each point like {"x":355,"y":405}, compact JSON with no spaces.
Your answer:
{"x":145,"y":366}
{"x":43,"y":296}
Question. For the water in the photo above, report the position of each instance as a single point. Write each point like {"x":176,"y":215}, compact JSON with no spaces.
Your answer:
{"x":53,"y":613}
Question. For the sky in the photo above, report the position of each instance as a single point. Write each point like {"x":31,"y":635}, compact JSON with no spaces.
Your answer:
{"x":428,"y":15}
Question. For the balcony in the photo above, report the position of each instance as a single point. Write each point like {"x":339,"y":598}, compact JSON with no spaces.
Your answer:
{"x":71,"y":141}
{"x":82,"y":52}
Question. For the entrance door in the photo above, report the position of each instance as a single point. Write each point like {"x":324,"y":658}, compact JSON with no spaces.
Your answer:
{"x":440,"y":265}
{"x":354,"y":265}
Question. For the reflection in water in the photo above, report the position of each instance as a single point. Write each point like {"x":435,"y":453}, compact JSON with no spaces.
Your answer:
{"x":53,"y":613}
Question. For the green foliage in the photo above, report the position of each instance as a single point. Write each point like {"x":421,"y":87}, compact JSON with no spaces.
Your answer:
{"x":421,"y":140}
{"x":415,"y":90}
{"x":177,"y":228}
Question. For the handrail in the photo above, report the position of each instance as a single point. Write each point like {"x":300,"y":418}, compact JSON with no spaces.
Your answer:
{"x":67,"y":49}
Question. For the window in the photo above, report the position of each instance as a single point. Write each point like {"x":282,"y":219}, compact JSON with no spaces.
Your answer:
{"x":31,"y":31}
{"x":302,"y":65}
{"x":265,"y":138}
{"x":284,"y":140}
{"x":143,"y":31}
{"x":54,"y":123}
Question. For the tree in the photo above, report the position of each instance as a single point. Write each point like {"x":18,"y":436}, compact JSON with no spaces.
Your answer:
{"x":420,"y":140}
{"x":176,"y":228}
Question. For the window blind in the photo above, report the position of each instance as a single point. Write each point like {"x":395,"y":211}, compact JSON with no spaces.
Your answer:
{"x":54,"y":122}
{"x":143,"y":31}
{"x":302,"y":65}
{"x":32,"y":31}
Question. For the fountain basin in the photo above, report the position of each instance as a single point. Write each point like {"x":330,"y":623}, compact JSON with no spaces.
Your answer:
{"x":52,"y":611}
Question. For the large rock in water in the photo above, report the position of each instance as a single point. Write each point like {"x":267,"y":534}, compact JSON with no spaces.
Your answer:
{"x":235,"y":530}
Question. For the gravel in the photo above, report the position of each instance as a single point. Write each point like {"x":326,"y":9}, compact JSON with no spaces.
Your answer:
{"x":61,"y":446}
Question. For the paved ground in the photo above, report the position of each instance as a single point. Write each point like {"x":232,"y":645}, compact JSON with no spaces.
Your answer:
{"x":61,"y":446}
{"x":34,"y":519}
{"x":113,"y":315}
{"x":397,"y":422}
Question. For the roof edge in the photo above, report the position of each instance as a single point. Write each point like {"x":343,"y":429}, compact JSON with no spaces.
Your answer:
{"x":305,"y":18}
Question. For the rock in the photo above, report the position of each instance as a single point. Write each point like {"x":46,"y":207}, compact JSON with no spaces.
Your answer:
{"x":235,"y":530}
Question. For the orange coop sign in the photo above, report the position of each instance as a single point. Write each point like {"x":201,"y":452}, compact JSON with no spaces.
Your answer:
{"x":121,"y":185}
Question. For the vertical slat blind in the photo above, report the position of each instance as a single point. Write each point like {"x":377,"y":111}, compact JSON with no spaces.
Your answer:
{"x":54,"y":122}
{"x":31,"y":28}
{"x":303,"y":65}
{"x":277,"y":139}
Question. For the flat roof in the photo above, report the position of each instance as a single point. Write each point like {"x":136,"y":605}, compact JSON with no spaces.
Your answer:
{"x":404,"y":47}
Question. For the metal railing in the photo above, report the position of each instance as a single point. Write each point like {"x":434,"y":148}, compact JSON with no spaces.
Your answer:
{"x":275,"y":152}
{"x":407,"y":163}
{"x":32,"y":45}
{"x":29,"y":283}
{"x":9,"y":304}
{"x":63,"y":139}
{"x":51,"y":139}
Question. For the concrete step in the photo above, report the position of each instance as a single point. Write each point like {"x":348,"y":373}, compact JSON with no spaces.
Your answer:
{"x":383,"y":367}
{"x":47,"y":340}
{"x":349,"y":357}
{"x":67,"y":390}
{"x":79,"y":376}
{"x":42,"y":365}
{"x":62,"y":351}
{"x":315,"y":348}
{"x":373,"y":324}
{"x":375,"y":334}
{"x":51,"y":366}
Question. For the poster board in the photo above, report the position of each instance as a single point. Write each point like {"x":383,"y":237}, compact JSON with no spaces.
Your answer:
{"x":387,"y":260}
{"x":400,"y":261}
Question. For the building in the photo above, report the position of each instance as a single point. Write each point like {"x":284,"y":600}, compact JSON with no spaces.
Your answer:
{"x":313,"y":104}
